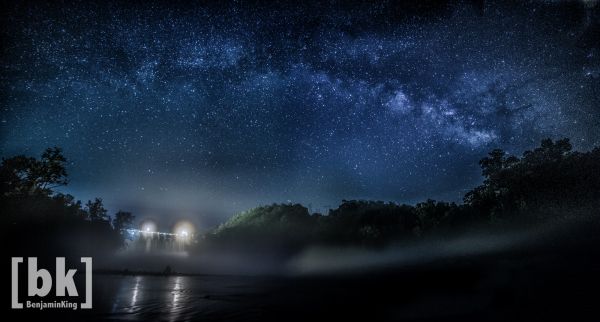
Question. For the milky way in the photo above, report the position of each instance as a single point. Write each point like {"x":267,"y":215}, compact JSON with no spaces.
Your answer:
{"x":175,"y":110}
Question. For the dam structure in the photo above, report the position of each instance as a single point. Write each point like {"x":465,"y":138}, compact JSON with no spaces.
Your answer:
{"x":157,"y":242}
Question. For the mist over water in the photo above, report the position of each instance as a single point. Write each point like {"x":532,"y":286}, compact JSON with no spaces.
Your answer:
{"x":320,"y":259}
{"x":254,"y":286}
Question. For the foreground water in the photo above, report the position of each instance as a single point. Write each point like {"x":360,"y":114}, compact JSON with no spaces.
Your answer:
{"x":493,"y":288}
{"x":176,"y":298}
{"x":552,"y":279}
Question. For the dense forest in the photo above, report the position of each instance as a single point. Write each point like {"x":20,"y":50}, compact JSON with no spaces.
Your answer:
{"x":549,"y":182}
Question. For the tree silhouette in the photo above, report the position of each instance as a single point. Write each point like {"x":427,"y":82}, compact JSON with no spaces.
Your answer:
{"x":550,"y":180}
{"x":21,"y":175}
{"x":60,"y":225}
{"x":551,"y":175}
{"x":123,"y":220}
{"x":96,"y":210}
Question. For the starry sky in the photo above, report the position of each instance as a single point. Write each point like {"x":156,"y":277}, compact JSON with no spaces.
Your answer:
{"x":174,"y":110}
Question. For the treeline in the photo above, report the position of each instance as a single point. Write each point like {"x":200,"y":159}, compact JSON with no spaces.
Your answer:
{"x":38,"y":220}
{"x":286,"y":228}
{"x":548,"y":182}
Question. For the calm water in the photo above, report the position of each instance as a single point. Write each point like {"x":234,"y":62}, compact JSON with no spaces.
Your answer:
{"x":175,"y":298}
{"x":549,"y":288}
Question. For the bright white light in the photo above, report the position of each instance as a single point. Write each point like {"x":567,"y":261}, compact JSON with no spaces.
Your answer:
{"x":184,"y":230}
{"x":148,"y":227}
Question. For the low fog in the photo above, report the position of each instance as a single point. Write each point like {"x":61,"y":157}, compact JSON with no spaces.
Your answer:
{"x":323,"y":260}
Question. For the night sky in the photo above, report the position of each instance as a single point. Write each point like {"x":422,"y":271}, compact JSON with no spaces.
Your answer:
{"x":173,"y":111}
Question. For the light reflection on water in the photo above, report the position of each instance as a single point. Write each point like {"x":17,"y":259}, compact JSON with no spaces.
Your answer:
{"x":175,"y":298}
{"x":136,"y":290}
{"x":176,"y":290}
{"x":176,"y":305}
